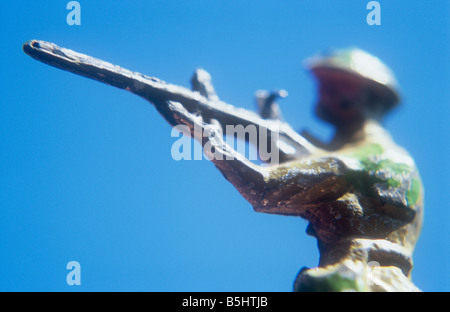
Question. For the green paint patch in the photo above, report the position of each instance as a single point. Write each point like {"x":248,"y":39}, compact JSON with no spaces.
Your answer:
{"x":339,"y":283}
{"x":371,"y":164}
{"x":397,"y":168}
{"x":366,"y":157}
{"x":387,"y":165}
{"x":331,"y":283}
{"x":393,"y":182}
{"x":413,"y":193}
{"x":367,"y":151}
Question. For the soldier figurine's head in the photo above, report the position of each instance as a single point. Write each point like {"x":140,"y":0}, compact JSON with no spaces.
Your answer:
{"x":353,"y":86}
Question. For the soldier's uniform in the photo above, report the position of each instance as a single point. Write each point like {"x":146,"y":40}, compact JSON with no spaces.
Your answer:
{"x":367,"y":231}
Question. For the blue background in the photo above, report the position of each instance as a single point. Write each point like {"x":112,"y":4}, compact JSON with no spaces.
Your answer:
{"x":86,"y":172}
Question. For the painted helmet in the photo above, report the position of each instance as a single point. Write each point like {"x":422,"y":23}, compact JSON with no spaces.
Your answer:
{"x":355,"y":61}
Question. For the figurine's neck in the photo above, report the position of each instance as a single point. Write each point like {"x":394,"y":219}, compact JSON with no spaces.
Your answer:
{"x":352,"y":132}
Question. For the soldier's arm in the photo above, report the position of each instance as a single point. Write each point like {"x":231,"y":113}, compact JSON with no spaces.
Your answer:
{"x":278,"y":189}
{"x":288,"y":188}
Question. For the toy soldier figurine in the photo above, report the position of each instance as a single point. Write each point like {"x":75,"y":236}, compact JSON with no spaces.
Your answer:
{"x":361,"y":193}
{"x":369,"y":217}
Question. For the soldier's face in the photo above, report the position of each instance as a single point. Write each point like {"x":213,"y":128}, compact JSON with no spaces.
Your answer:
{"x":341,"y":97}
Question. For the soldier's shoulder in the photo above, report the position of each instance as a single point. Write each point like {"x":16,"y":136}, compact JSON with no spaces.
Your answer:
{"x":389,"y":168}
{"x":377,"y":152}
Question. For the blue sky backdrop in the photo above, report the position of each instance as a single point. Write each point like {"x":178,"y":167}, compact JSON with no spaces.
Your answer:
{"x":86,"y":172}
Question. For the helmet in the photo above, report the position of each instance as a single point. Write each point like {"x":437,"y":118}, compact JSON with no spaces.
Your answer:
{"x":355,"y":61}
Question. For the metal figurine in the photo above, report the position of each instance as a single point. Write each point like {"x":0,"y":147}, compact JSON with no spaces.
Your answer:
{"x":361,"y":193}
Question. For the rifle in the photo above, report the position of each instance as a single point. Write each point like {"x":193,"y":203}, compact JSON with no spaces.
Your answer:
{"x":201,"y":101}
